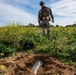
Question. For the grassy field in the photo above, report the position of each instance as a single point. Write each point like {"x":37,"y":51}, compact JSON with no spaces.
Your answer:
{"x":62,"y":45}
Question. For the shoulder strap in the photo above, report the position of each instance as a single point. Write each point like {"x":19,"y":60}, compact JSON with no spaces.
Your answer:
{"x":48,"y":9}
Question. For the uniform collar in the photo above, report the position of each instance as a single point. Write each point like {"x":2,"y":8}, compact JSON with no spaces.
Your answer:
{"x":43,"y":7}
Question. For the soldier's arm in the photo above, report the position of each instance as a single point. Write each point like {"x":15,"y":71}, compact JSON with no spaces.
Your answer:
{"x":51,"y":14}
{"x":39,"y":17}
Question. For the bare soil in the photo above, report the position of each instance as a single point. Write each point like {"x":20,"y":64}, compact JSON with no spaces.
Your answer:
{"x":21,"y":64}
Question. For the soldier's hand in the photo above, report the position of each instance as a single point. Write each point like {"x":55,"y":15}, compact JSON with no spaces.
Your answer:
{"x":39,"y":22}
{"x":52,"y":20}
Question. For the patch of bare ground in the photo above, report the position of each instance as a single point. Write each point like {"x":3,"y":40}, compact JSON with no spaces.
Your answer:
{"x":21,"y":64}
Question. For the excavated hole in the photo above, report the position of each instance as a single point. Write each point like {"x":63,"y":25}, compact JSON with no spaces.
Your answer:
{"x":23,"y":64}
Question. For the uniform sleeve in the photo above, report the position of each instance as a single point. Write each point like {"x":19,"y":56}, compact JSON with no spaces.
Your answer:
{"x":39,"y":16}
{"x":51,"y":14}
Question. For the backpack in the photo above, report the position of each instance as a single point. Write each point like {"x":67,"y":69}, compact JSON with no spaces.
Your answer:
{"x":45,"y":12}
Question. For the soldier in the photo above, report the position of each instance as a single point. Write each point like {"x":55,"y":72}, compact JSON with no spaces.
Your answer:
{"x":44,"y":16}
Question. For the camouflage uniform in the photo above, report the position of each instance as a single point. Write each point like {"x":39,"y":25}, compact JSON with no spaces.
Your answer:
{"x":45,"y":23}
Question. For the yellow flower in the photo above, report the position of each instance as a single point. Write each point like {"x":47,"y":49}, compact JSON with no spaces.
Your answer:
{"x":2,"y":67}
{"x":1,"y":54}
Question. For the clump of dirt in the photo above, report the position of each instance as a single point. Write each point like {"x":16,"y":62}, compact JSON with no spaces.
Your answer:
{"x":21,"y":64}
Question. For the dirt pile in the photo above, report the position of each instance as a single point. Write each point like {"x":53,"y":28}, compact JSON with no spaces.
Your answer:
{"x":21,"y":64}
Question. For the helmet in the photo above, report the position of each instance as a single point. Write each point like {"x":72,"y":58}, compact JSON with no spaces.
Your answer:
{"x":41,"y":3}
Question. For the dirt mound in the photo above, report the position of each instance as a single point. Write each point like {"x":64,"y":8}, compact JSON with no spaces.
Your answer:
{"x":21,"y":64}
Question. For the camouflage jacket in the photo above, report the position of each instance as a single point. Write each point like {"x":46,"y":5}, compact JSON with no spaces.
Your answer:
{"x":51,"y":15}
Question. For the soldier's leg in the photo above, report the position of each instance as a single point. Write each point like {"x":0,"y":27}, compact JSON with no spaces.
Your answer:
{"x":48,"y":33}
{"x":48,"y":29}
{"x":43,"y":30}
{"x":43,"y":27}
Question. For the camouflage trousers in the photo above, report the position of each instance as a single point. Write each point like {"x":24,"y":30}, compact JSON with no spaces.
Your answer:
{"x":46,"y":25}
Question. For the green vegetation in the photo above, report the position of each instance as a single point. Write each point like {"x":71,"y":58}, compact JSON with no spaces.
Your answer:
{"x":62,"y":45}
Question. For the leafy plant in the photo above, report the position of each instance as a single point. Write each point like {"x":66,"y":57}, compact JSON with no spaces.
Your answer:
{"x":4,"y":51}
{"x":62,"y":44}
